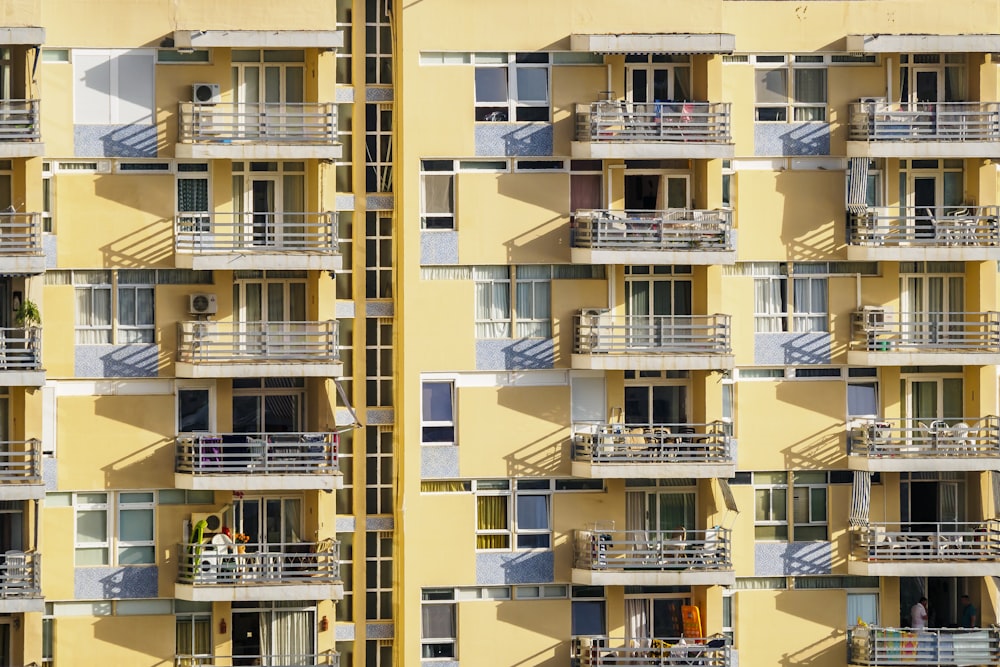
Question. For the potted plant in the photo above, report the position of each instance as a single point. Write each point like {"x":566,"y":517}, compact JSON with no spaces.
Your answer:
{"x":27,"y":315}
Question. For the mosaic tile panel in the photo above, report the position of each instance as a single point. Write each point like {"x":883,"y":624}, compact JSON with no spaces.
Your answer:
{"x":790,"y":559}
{"x":115,"y":583}
{"x":781,"y":139}
{"x":791,"y":349}
{"x":49,"y":246}
{"x":380,"y":309}
{"x":343,"y":632}
{"x":513,"y":139}
{"x":529,"y":567}
{"x":114,"y":141}
{"x":515,"y":354}
{"x":439,"y":462}
{"x":438,"y":248}
{"x":107,"y":361}
{"x":380,"y":630}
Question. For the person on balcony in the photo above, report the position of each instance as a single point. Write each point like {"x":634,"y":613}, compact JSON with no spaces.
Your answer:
{"x":969,"y":612}
{"x":918,"y":615}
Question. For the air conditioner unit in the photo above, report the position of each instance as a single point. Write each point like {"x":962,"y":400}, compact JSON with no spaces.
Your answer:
{"x":213,"y":522}
{"x":202,"y":304}
{"x":205,"y":93}
{"x":874,"y":318}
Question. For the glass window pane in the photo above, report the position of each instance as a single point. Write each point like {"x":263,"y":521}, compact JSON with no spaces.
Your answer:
{"x":779,"y":504}
{"x":491,"y":84}
{"x":438,"y":621}
{"x":98,"y":556}
{"x":532,"y":84}
{"x":772,"y":86}
{"x":588,"y":617}
{"x":136,"y":556}
{"x":92,"y":526}
{"x":437,"y":401}
{"x":438,"y":193}
{"x":532,"y":512}
{"x":810,"y":86}
{"x":817,"y":505}
{"x":135,"y":525}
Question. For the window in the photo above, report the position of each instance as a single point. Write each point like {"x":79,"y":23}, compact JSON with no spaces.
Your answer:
{"x":533,"y":515}
{"x":92,"y":534}
{"x":512,"y":87}
{"x":378,"y":475}
{"x":862,"y":393}
{"x":48,"y":198}
{"x":437,"y":181}
{"x":378,"y":558}
{"x":113,"y":86}
{"x":130,"y":540}
{"x":804,"y":310}
{"x":437,"y":414}
{"x":588,"y":612}
{"x":531,"y":308}
{"x":93,"y":307}
{"x":532,"y":525}
{"x":378,"y":43}
{"x":136,"y":541}
{"x":493,"y":515}
{"x":790,"y":92}
{"x":378,"y":361}
{"x":770,"y":505}
{"x":134,"y":315}
{"x":809,"y":506}
{"x":193,"y":629}
{"x":492,"y":301}
{"x":438,"y":626}
{"x":862,"y":607}
{"x":378,"y":255}
{"x":192,"y":197}
{"x":378,"y":147}
{"x":533,"y":302}
{"x":135,"y":307}
{"x":194,"y":409}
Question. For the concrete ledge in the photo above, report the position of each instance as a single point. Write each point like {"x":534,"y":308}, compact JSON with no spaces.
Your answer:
{"x":199,"y":39}
{"x":922,"y":358}
{"x":257,"y":261}
{"x":923,"y":568}
{"x":654,"y":578}
{"x":922,"y":43}
{"x":923,"y":149}
{"x":29,"y":264}
{"x":22,"y":605}
{"x":22,"y":35}
{"x":657,"y":257}
{"x":652,"y":362}
{"x":275,"y":482}
{"x":21,"y":491}
{"x":652,"y":470}
{"x":258,"y":151}
{"x":275,"y":369}
{"x":22,"y":378}
{"x":12,"y":149}
{"x":902,"y":253}
{"x":655,"y":42}
{"x":649,"y":150}
{"x":258,"y":592}
{"x":922,"y":464}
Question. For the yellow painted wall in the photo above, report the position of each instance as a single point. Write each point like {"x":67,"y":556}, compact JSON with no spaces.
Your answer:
{"x":815,"y":619}
{"x":121,"y":640}
{"x":531,"y":631}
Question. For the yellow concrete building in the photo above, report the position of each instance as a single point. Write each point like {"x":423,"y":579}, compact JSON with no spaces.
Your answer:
{"x":428,"y":332}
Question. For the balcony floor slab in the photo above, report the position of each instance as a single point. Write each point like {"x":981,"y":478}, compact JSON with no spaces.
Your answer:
{"x":257,"y":151}
{"x":256,"y":261}
{"x":923,"y":357}
{"x":15,"y":149}
{"x":923,"y":149}
{"x":652,"y":362}
{"x":693,"y":257}
{"x":903,"y":253}
{"x":22,"y":378}
{"x":21,"y":491}
{"x":653,"y":578}
{"x":27,"y":264}
{"x":184,"y":369}
{"x":255,"y":593}
{"x":653,"y":470}
{"x":22,"y":605}
{"x":922,"y":464}
{"x":923,"y":568}
{"x":649,"y":150}
{"x":261,"y":482}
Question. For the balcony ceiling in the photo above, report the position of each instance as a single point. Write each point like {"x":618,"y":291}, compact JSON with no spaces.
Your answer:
{"x":922,"y":43}
{"x":655,"y":42}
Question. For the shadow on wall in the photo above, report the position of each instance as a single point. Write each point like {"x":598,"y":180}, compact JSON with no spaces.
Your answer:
{"x":546,"y":456}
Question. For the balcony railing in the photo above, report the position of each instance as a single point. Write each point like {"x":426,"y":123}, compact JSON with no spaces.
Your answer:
{"x":243,"y":233}
{"x":20,"y":462}
{"x":257,"y":342}
{"x":257,"y":454}
{"x":20,"y":575}
{"x":966,"y":437}
{"x":20,"y":349}
{"x":878,"y":646}
{"x":691,"y":122}
{"x":20,"y":234}
{"x":602,"y":333}
{"x":924,"y":121}
{"x":655,"y":652}
{"x":637,"y":444}
{"x":651,"y":550}
{"x":325,"y":659}
{"x":259,"y":564}
{"x":19,"y":120}
{"x":885,"y":330}
{"x":952,"y":542}
{"x":923,"y":227}
{"x":230,"y":123}
{"x":671,"y":229}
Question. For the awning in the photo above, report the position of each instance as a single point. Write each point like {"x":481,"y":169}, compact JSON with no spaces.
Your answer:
{"x":26,"y":35}
{"x":922,"y":43}
{"x":727,"y":495}
{"x":656,"y":42}
{"x":347,"y":404}
{"x":280,"y":39}
{"x":857,"y":193}
{"x":861,"y":499}
{"x":995,"y":477}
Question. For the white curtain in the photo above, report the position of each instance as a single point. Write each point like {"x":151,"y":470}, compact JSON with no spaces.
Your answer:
{"x":292,"y":637}
{"x":862,"y":606}
{"x":293,"y":206}
{"x":492,"y":301}
{"x":293,"y":519}
{"x":637,"y":622}
{"x":93,"y":309}
{"x":810,"y":299}
{"x":635,"y":518}
{"x":768,"y":305}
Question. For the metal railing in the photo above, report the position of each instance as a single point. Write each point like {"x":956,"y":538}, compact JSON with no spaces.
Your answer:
{"x":963,"y":226}
{"x":652,"y":550}
{"x":600,"y":332}
{"x":20,"y":349}
{"x":209,"y":564}
{"x":594,"y":651}
{"x":886,"y":330}
{"x":257,"y":342}
{"x":874,"y":645}
{"x":653,"y":443}
{"x":20,"y":233}
{"x":926,"y":438}
{"x":924,"y":121}
{"x":19,"y":120}
{"x":257,"y":454}
{"x":324,"y":659}
{"x":698,"y":122}
{"x":944,"y":541}
{"x":311,"y":123}
{"x":248,"y":233}
{"x":20,"y":575}
{"x":671,"y":229}
{"x":21,"y":461}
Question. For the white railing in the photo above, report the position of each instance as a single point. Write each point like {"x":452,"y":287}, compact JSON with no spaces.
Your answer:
{"x":20,"y":575}
{"x":945,"y":541}
{"x":924,"y":121}
{"x":671,"y":229}
{"x":886,"y":330}
{"x":659,"y":334}
{"x":21,"y":462}
{"x":963,"y":226}
{"x":227,"y":564}
{"x":698,"y":122}
{"x":257,"y":342}
{"x":879,"y":646}
{"x":257,"y":454}
{"x":20,"y":233}
{"x":652,"y":550}
{"x":230,"y":123}
{"x":593,"y":651}
{"x":19,"y":120}
{"x":324,"y":659}
{"x":965,"y":437}
{"x":20,"y":349}
{"x":249,"y":233}
{"x":637,"y":444}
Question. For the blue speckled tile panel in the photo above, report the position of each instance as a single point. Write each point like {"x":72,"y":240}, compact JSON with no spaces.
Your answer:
{"x":106,"y":361}
{"x":439,"y":462}
{"x":781,"y":139}
{"x":438,"y":248}
{"x":49,"y":248}
{"x":115,"y":583}
{"x":789,"y":559}
{"x":791,"y":349}
{"x":513,"y":139}
{"x":50,"y":473}
{"x":114,"y":141}
{"x":527,"y":567}
{"x":505,"y":354}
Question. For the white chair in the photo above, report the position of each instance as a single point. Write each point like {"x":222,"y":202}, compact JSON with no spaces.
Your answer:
{"x":15,"y":570}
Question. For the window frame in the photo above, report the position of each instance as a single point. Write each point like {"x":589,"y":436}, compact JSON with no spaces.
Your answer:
{"x":769,"y":521}
{"x":92,"y":289}
{"x":505,"y":321}
{"x":429,"y":168}
{"x":113,"y":545}
{"x":449,"y":644}
{"x":514,"y":66}
{"x":79,"y":544}
{"x":438,"y":424}
{"x":789,"y":318}
{"x":143,"y":330}
{"x":810,"y":523}
{"x":788,"y":111}
{"x":121,"y":507}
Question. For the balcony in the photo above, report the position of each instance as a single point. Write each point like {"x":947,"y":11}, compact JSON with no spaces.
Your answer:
{"x":20,"y":129}
{"x":325,"y":659}
{"x":655,"y":652}
{"x":673,"y":236}
{"x":21,"y":357}
{"x":21,"y":470}
{"x":923,"y":129}
{"x":653,"y":558}
{"x":257,"y":241}
{"x":908,"y":233}
{"x":257,"y":349}
{"x":257,"y":461}
{"x":622,"y":451}
{"x":223,"y":572}
{"x":926,"y":549}
{"x":880,"y":646}
{"x":654,"y":342}
{"x":21,"y":582}
{"x":258,"y":131}
{"x":21,"y":243}
{"x":886,"y":338}
{"x":911,"y":445}
{"x":657,"y":130}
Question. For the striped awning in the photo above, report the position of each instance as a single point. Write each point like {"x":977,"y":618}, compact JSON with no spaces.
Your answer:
{"x":995,"y":478}
{"x":857,"y":193}
{"x":861,"y":498}
{"x":727,"y":496}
